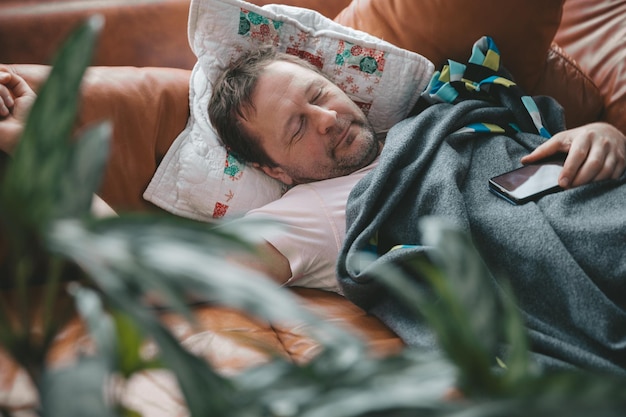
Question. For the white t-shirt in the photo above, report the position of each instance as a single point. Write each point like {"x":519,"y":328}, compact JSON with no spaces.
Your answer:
{"x":315,"y":218}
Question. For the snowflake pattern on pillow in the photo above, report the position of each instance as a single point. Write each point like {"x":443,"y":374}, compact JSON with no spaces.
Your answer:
{"x":357,"y":69}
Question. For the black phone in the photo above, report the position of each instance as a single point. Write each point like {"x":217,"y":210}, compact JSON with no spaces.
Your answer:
{"x":528,"y":183}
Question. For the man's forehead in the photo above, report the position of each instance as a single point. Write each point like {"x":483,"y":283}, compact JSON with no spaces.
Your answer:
{"x":285,"y":81}
{"x":293,"y":70}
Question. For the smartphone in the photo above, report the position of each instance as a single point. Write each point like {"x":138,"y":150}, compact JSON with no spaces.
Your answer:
{"x":528,"y":183}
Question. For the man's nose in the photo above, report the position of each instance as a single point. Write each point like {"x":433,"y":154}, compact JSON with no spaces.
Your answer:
{"x":326,"y":119}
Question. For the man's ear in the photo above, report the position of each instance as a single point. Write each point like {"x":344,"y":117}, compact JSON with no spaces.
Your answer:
{"x":275,"y":172}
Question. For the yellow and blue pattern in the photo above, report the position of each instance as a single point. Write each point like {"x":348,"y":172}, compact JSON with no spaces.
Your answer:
{"x":457,"y":82}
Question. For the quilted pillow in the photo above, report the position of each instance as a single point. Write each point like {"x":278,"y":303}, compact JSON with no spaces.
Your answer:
{"x":198,"y":178}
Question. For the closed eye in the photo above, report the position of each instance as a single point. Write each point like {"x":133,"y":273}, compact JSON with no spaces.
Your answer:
{"x":301,"y":126}
{"x":318,"y":97}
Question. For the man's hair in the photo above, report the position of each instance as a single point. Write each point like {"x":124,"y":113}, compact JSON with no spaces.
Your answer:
{"x":231,"y":101}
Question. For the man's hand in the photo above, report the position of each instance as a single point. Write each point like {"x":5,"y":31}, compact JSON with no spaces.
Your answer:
{"x":595,"y":152}
{"x":16,"y":99}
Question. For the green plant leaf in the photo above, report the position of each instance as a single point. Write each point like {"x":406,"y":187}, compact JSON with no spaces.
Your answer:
{"x":519,"y":368}
{"x":410,"y":380}
{"x":488,"y":308}
{"x":180,"y":261}
{"x":130,"y":343}
{"x":78,"y":390}
{"x":467,"y":280}
{"x":83,"y":172}
{"x":187,"y":261}
{"x":101,"y":326}
{"x":191,"y":372}
{"x":461,"y":305}
{"x":217,"y":395}
{"x":31,"y":187}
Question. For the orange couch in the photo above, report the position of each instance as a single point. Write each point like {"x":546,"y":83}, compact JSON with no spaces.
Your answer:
{"x":572,"y":49}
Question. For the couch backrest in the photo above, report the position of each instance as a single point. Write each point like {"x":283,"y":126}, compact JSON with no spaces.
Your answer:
{"x":593,"y":32}
{"x":153,"y":33}
{"x":136,"y":32}
{"x":523,"y":30}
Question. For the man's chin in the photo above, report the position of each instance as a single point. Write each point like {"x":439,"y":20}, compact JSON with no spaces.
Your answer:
{"x":362,"y":159}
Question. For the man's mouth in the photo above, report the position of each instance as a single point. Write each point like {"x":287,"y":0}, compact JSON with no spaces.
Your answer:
{"x":344,"y":136}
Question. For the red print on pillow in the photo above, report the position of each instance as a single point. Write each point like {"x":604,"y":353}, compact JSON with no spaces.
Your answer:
{"x":219,"y":210}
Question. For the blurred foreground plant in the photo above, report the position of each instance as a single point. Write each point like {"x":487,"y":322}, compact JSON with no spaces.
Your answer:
{"x":481,"y":332}
{"x":51,"y":245}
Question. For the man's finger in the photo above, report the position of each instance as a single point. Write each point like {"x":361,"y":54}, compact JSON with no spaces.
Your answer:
{"x":549,"y":148}
{"x":618,"y":170}
{"x":576,"y":157}
{"x":608,"y":168}
{"x":18,"y":85}
{"x":6,"y":101}
{"x":612,"y":167}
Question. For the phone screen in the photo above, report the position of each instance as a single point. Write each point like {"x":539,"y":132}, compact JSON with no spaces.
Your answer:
{"x":528,"y":182}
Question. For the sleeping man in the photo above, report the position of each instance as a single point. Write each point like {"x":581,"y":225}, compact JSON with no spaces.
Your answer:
{"x":564,"y":254}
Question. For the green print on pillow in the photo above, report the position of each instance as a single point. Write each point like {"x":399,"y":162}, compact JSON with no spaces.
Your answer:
{"x":367,"y":60}
{"x":257,"y":26}
{"x":233,"y":166}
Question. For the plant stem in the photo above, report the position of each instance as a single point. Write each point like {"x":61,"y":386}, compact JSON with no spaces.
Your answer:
{"x":24,"y":351}
{"x":50,"y":326}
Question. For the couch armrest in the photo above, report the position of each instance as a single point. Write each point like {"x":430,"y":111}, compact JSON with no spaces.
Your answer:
{"x":148,"y":107}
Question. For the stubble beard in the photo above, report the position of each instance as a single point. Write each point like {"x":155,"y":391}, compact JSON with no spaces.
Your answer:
{"x":366,"y":153}
{"x":368,"y":149}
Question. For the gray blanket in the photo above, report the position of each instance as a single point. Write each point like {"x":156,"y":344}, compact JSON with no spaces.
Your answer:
{"x":565,"y":255}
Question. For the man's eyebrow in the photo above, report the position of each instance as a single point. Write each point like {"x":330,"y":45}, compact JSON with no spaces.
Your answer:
{"x":311,"y":85}
{"x":315,"y":84}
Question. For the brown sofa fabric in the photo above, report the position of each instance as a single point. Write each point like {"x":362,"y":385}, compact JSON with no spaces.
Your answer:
{"x":593,"y":32}
{"x":439,"y":30}
{"x":573,"y":88}
{"x":522,"y":29}
{"x":136,"y":32}
{"x":230,"y":340}
{"x":148,"y":108}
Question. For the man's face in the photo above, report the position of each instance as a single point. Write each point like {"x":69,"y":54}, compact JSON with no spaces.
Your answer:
{"x":308,"y":126}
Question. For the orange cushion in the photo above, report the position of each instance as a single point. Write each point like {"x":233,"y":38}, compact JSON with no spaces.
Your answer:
{"x":522,"y":29}
{"x":148,"y":108}
{"x":594,"y":34}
